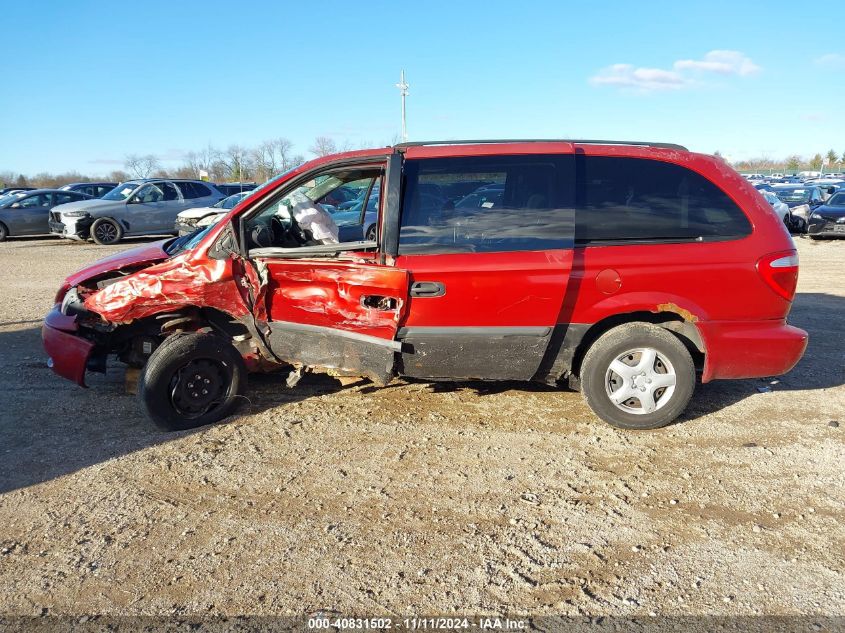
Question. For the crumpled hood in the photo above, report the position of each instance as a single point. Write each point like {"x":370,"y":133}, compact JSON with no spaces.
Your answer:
{"x":144,"y":255}
{"x":199,"y":212}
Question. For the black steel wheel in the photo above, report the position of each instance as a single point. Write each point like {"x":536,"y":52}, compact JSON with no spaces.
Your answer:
{"x":192,"y":380}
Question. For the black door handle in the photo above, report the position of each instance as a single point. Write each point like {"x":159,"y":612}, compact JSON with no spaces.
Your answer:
{"x":427,"y":289}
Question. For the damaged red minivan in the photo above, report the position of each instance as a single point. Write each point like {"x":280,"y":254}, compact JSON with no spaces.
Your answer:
{"x":628,"y":270}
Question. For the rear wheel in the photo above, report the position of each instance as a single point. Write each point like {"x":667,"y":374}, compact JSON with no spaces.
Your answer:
{"x":638,"y":376}
{"x":4,"y":232}
{"x":106,"y":231}
{"x":192,"y":380}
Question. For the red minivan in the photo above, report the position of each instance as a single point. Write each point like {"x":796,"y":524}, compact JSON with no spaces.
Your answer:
{"x":628,"y":270}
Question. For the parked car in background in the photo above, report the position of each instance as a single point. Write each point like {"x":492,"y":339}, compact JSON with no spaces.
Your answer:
{"x":93,"y":189}
{"x":595,"y":269}
{"x":6,"y":190}
{"x":192,"y":219}
{"x":231,"y":188}
{"x":137,"y":207}
{"x":350,"y":225}
{"x":801,"y":199}
{"x":28,"y":212}
{"x":828,"y":220}
{"x":782,"y":210}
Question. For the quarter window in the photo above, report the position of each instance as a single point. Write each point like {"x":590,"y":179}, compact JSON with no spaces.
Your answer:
{"x":487,"y":204}
{"x":631,"y":199}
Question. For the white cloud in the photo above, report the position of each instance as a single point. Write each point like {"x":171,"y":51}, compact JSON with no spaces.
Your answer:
{"x":831,"y":60}
{"x":643,"y":79}
{"x":655,"y":79}
{"x":721,"y":62}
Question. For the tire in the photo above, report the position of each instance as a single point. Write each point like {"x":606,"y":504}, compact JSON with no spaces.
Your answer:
{"x":168,"y":387}
{"x":106,"y":231}
{"x":632,"y":344}
{"x":4,"y":232}
{"x":371,"y":234}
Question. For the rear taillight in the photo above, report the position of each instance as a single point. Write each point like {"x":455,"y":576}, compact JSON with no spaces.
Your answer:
{"x":780,"y":272}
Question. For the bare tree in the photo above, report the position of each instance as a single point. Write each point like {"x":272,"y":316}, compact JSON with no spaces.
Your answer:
{"x":323,"y":146}
{"x":141,"y":166}
{"x":203,"y":160}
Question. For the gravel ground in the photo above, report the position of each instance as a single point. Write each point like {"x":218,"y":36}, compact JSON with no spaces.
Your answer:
{"x":419,"y":498}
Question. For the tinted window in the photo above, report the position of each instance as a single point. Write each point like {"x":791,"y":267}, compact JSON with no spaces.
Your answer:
{"x":41,"y":200}
{"x":194,"y":190}
{"x":640,"y":199}
{"x":487,"y":204}
{"x":64,"y":198}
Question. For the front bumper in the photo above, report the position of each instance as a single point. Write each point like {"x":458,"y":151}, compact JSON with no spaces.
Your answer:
{"x":184,"y":228}
{"x":68,"y":353}
{"x":826,"y":228}
{"x":750,"y":349}
{"x":72,"y":228}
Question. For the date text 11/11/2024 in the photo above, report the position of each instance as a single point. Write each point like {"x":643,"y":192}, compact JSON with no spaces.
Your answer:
{"x":415,"y":623}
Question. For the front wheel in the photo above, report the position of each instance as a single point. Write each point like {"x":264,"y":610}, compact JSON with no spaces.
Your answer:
{"x":192,"y":380}
{"x":370,"y":236}
{"x":106,"y":231}
{"x":638,"y":376}
{"x":4,"y":232}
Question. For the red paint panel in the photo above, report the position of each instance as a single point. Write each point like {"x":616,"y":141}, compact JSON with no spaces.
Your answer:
{"x":490,"y":289}
{"x":171,"y":285}
{"x":69,"y":353}
{"x":717,"y":280}
{"x":330,"y":294}
{"x":750,"y":350}
{"x":489,"y":149}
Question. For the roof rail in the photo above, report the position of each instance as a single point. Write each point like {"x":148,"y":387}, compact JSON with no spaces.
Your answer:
{"x":401,"y":146}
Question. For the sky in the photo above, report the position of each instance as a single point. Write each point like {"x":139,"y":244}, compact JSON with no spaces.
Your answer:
{"x":87,"y":83}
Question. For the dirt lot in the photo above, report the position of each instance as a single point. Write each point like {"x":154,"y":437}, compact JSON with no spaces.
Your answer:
{"x":419,"y":498}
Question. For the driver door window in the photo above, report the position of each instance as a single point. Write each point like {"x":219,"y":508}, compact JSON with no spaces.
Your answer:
{"x":334,"y":207}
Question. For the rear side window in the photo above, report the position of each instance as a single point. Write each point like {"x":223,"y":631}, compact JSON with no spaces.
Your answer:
{"x":194,"y":190}
{"x":487,"y":204}
{"x":64,"y":198}
{"x":634,"y":199}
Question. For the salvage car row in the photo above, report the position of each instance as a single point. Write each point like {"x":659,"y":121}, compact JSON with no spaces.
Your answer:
{"x":107,"y":212}
{"x":815,"y":206}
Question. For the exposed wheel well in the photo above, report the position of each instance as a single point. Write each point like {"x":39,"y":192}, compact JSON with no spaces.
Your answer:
{"x":675,"y":323}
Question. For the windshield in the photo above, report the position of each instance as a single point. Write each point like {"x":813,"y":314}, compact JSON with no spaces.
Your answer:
{"x":793,"y":195}
{"x":10,"y":198}
{"x":232,"y":201}
{"x":121,"y":192}
{"x":836,"y":200}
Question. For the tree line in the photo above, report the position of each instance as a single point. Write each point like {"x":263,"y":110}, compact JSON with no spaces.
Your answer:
{"x":269,"y":158}
{"x":236,"y":163}
{"x":794,"y":163}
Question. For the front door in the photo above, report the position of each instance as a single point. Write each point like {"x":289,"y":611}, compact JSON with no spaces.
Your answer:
{"x":32,"y":214}
{"x":326,"y":303}
{"x":488,"y":242}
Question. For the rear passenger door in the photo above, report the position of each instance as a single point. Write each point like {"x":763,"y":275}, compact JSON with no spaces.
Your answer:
{"x":489,"y":267}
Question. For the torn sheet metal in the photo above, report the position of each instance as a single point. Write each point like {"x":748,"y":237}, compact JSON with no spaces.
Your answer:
{"x":369,"y":300}
{"x":171,"y":285}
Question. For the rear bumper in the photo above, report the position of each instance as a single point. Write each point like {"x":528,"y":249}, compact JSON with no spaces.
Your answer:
{"x":68,"y":352}
{"x":750,"y":349}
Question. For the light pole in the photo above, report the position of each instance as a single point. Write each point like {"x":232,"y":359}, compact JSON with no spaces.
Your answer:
{"x":403,"y":90}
